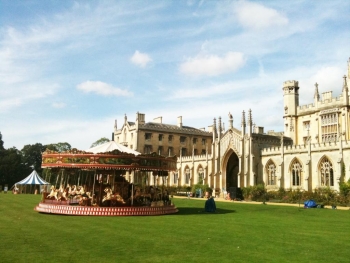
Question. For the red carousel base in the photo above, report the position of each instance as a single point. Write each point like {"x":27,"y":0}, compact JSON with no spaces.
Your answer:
{"x":75,"y":210}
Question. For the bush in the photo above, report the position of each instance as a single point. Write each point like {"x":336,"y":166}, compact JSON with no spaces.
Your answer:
{"x":255,"y":193}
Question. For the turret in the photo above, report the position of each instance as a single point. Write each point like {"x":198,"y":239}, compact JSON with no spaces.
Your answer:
{"x":291,"y":97}
{"x":291,"y":103}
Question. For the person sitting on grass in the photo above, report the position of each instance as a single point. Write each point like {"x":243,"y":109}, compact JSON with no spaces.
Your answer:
{"x":210,"y":203}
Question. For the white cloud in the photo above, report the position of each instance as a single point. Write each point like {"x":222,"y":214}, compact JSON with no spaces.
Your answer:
{"x":102,"y":88}
{"x":256,"y":16}
{"x":204,"y":92}
{"x":140,"y":59}
{"x":327,"y":78}
{"x":211,"y":65}
{"x":15,"y":96}
{"x":57,"y":130}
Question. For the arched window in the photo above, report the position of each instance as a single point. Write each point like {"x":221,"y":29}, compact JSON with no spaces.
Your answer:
{"x":296,"y":170}
{"x":175,"y":177}
{"x":200,"y":175}
{"x":187,"y":176}
{"x":271,"y":173}
{"x":124,"y":135}
{"x":326,"y":172}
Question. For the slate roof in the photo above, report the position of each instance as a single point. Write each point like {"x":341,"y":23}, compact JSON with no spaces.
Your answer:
{"x":154,"y":126}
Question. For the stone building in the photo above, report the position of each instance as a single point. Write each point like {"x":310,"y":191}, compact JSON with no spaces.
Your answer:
{"x":164,"y":139}
{"x":312,"y":151}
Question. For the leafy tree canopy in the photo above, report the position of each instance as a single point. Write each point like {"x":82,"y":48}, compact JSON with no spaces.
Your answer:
{"x":12,"y":168}
{"x":31,"y":155}
{"x":59,"y":147}
{"x":1,"y":143}
{"x":100,"y":141}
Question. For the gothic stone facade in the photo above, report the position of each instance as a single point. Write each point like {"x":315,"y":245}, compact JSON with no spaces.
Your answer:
{"x":313,"y":150}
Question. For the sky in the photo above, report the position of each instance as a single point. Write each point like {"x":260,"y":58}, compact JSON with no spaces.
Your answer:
{"x":69,"y":69}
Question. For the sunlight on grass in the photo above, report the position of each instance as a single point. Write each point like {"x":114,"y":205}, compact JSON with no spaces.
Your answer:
{"x":236,"y":232}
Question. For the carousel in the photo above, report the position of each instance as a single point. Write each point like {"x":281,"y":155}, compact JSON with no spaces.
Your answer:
{"x":102,"y":184}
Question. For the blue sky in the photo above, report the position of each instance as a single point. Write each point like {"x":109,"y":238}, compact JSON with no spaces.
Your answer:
{"x":68,"y":69}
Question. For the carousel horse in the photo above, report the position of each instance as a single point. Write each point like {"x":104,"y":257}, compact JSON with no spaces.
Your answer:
{"x":72,"y":190}
{"x":53,"y":193}
{"x":85,"y":199}
{"x":81,"y":190}
{"x":61,"y":194}
{"x":108,"y":195}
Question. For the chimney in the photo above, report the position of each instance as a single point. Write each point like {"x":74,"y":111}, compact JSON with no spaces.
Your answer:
{"x":158,"y":119}
{"x":179,"y":121}
{"x":140,"y":118}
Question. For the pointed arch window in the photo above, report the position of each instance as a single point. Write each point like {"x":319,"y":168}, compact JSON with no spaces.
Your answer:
{"x":187,"y":176}
{"x":200,"y":175}
{"x":271,"y":173}
{"x":296,"y":171}
{"x":124,"y":138}
{"x":327,"y":173}
{"x":175,"y":177}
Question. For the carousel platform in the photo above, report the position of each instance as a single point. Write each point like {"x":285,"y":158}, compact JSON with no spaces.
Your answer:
{"x":76,"y":210}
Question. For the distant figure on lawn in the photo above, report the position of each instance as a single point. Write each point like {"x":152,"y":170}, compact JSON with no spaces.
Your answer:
{"x":210,"y":203}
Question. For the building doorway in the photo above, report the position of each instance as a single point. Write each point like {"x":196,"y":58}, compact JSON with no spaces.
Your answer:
{"x":232,"y":169}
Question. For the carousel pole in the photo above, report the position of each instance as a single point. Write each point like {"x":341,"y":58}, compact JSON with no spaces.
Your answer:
{"x":93,"y":189}
{"x":79,"y":178}
{"x":62,"y":178}
{"x":132,"y":190}
{"x":57,"y":178}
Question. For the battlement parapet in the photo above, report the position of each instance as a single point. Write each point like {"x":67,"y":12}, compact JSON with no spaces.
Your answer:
{"x":201,"y":157}
{"x":292,"y":149}
{"x":290,"y":83}
{"x":306,"y":107}
{"x":331,"y":100}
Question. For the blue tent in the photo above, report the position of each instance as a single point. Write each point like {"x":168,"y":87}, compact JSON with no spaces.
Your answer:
{"x":310,"y":204}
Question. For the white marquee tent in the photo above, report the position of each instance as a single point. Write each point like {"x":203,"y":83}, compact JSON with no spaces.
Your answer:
{"x":32,"y":179}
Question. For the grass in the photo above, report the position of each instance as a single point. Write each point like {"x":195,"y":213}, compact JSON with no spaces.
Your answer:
{"x":236,"y":233}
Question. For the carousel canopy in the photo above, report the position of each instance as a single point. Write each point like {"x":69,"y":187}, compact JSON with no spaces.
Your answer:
{"x":114,"y":159}
{"x":33,"y":178}
{"x":111,"y":146}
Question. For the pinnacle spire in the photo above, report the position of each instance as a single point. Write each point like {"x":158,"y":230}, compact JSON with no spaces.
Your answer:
{"x":345,"y":85}
{"x":243,"y":123}
{"x":317,"y":94}
{"x":250,"y":119}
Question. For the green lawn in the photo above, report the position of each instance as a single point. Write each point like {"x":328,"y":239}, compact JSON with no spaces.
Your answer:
{"x":236,"y":233}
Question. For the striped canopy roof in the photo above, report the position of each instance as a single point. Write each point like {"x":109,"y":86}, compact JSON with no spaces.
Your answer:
{"x":33,"y":178}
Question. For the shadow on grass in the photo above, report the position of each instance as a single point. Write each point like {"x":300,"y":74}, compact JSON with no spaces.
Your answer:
{"x":200,"y":211}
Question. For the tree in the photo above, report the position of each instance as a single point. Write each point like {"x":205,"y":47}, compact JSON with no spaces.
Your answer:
{"x":100,"y":141}
{"x":31,"y":155}
{"x":59,"y":147}
{"x":1,"y":143}
{"x":12,"y":168}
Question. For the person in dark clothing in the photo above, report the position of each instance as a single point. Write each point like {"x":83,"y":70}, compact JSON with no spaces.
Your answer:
{"x":210,"y":205}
